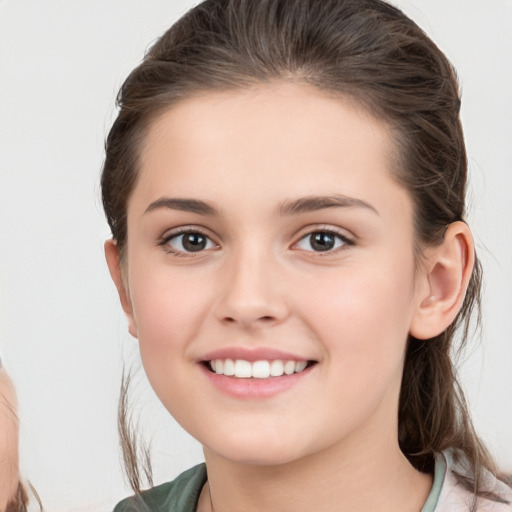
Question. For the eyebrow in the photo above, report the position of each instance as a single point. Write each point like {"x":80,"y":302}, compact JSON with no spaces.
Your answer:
{"x":289,"y":207}
{"x":184,"y":205}
{"x":314,"y":203}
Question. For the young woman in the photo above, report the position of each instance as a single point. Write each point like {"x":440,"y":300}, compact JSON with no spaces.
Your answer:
{"x":285,"y":184}
{"x":8,"y":440}
{"x":13,"y":497}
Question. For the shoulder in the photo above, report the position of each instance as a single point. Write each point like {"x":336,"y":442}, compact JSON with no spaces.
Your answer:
{"x":179,"y":495}
{"x":454,"y":497}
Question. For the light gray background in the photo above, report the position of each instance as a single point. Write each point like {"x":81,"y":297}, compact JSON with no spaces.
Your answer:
{"x":62,"y":333}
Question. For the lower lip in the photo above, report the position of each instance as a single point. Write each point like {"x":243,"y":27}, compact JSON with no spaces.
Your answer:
{"x":255,"y":388}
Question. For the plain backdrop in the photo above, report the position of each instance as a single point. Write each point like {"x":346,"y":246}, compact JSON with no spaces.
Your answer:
{"x":62,"y":334}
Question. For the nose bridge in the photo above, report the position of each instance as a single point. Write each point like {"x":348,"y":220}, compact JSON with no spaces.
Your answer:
{"x":250,"y":289}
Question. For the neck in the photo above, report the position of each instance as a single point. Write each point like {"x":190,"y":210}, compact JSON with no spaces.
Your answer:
{"x":377,"y":478}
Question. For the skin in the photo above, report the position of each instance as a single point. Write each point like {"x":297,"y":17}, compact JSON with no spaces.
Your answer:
{"x":9,"y":474}
{"x":330,"y":441}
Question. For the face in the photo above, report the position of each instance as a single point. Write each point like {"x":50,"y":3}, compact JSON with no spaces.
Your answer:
{"x":267,"y":238}
{"x":9,"y":475}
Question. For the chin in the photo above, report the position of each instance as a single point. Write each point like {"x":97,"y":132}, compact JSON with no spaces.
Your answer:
{"x":257,"y":457}
{"x":257,"y":450}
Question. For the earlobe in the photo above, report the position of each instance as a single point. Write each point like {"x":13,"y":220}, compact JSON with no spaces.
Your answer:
{"x":114,"y":267}
{"x":445,"y":279}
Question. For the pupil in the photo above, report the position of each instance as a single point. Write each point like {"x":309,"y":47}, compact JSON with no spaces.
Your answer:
{"x":322,"y":241}
{"x":194,"y":242}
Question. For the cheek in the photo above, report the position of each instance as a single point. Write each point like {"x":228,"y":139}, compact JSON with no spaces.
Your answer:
{"x":361,"y":319}
{"x":168,"y":314}
{"x":167,"y":310}
{"x":363,"y":312}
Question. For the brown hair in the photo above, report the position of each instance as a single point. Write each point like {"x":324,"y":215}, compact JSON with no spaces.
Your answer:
{"x":20,"y":502}
{"x":371,"y":52}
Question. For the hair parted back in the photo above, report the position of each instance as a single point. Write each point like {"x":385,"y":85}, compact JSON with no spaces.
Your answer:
{"x":370,"y":52}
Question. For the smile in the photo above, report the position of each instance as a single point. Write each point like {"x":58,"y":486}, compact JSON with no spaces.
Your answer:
{"x":263,"y":369}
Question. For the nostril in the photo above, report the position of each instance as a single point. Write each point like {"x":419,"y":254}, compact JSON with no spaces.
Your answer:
{"x":262,"y":320}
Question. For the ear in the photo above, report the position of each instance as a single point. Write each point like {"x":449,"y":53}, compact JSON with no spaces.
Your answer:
{"x":114,"y":266}
{"x":444,"y":281}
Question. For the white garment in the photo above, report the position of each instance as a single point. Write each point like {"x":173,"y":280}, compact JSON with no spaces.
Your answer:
{"x":448,"y":495}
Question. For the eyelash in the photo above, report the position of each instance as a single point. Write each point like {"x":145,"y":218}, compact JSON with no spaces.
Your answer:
{"x":325,"y":230}
{"x":164,"y":242}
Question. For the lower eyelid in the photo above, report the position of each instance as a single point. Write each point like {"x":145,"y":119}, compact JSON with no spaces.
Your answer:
{"x":341,"y":236}
{"x":165,"y":240}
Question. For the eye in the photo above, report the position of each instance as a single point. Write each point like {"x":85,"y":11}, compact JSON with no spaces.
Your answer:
{"x":189,"y":242}
{"x":322,"y":241}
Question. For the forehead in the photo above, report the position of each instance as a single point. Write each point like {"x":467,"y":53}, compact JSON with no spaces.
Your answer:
{"x":302,"y":110}
{"x":278,"y":138}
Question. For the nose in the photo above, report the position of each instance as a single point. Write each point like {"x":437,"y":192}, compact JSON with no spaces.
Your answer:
{"x":251,"y":292}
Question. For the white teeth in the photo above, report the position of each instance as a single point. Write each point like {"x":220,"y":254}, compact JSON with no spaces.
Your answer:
{"x":289,"y":367}
{"x":243,"y":369}
{"x":262,"y":369}
{"x":299,"y":366}
{"x":229,"y":367}
{"x":276,"y":368}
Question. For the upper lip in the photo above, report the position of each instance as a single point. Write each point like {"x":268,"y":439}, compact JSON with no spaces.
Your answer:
{"x":252,"y":354}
